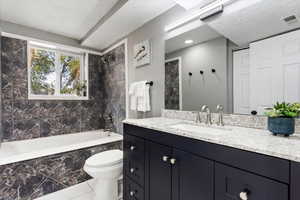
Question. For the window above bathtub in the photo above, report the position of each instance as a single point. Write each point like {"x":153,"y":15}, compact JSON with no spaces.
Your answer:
{"x":56,"y":74}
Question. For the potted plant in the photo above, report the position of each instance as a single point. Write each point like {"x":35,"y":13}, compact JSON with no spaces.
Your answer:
{"x":281,"y":118}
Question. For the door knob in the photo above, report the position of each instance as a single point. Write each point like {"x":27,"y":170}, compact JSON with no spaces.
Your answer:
{"x":132,"y":148}
{"x":173,"y":161}
{"x":132,"y":170}
{"x":132,"y":193}
{"x":244,"y":195}
{"x":165,"y":158}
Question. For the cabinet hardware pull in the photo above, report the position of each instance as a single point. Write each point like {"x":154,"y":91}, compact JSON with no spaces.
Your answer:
{"x":132,"y":170}
{"x":132,"y":193}
{"x":173,"y":161}
{"x":244,"y":195}
{"x":132,"y":148}
{"x":165,"y":158}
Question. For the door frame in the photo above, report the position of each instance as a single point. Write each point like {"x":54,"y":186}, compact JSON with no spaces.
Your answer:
{"x":234,"y":78}
{"x":180,"y":77}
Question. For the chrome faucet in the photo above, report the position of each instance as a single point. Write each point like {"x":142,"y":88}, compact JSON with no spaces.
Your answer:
{"x":198,"y":118}
{"x":206,"y":109}
{"x":220,"y":110}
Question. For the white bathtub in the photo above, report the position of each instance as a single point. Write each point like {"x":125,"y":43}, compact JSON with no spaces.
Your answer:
{"x":11,"y":152}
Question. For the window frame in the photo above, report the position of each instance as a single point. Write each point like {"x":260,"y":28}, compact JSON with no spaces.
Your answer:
{"x":83,"y":56}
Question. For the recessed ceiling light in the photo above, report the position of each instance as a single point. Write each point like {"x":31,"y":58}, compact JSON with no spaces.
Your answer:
{"x":189,"y":41}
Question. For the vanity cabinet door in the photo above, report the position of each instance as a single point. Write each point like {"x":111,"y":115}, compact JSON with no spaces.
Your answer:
{"x":235,"y":184}
{"x":193,"y":177}
{"x":160,"y":172}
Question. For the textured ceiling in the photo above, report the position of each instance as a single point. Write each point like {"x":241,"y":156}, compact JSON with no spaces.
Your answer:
{"x":131,"y":16}
{"x":248,"y":20}
{"x":71,"y":18}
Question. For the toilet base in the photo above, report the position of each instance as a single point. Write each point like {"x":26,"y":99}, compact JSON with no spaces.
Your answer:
{"x":106,"y":189}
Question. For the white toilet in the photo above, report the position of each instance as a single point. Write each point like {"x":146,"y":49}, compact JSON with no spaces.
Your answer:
{"x":106,"y":167}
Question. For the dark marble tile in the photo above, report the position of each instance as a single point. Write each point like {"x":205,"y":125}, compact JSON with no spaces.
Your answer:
{"x":51,"y":109}
{"x":71,"y":123}
{"x":35,"y":178}
{"x":66,"y":169}
{"x":18,"y":180}
{"x":26,"y":110}
{"x":59,"y":125}
{"x":172,"y":85}
{"x":6,"y":88}
{"x":48,"y":186}
{"x":25,"y":129}
{"x":107,"y":87}
{"x":51,"y":126}
{"x":92,"y":121}
{"x":20,"y":92}
{"x":7,"y":128}
{"x":7,"y":109}
{"x":72,"y":108}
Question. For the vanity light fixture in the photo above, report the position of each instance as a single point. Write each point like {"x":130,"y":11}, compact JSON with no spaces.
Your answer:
{"x":199,"y":13}
{"x":189,"y":41}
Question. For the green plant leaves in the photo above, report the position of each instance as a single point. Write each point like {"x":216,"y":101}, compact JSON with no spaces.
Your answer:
{"x":284,"y":110}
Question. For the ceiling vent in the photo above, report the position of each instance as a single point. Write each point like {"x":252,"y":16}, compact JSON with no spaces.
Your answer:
{"x":291,"y":19}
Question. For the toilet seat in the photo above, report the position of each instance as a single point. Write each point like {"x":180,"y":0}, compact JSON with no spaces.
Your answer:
{"x":105,"y":159}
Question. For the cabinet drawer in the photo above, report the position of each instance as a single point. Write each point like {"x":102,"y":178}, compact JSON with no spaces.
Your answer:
{"x":134,"y":158}
{"x":233,"y":184}
{"x":274,"y":168}
{"x":135,"y":170}
{"x":132,"y":191}
{"x":134,"y":147}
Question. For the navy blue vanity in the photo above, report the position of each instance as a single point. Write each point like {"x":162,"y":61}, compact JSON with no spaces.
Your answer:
{"x":163,"y":166}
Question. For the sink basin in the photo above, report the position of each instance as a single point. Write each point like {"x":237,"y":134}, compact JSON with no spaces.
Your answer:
{"x":201,"y":129}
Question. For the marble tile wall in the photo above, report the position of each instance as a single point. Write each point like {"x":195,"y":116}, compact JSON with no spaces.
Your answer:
{"x":24,"y":119}
{"x":112,"y":73}
{"x":34,"y":178}
{"x":249,"y":121}
{"x":172,"y":85}
{"x":1,"y":132}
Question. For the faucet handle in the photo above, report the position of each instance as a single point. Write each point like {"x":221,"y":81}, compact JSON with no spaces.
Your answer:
{"x":198,"y":118}
{"x":204,"y":107}
{"x":220,"y":107}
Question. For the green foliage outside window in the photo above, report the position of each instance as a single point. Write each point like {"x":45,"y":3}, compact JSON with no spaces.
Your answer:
{"x":70,"y":74}
{"x":42,"y":71}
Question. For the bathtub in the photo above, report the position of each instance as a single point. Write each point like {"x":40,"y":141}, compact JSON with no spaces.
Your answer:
{"x":12,"y":152}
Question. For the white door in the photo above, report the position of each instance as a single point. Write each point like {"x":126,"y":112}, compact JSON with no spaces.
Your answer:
{"x":241,"y":70}
{"x":275,"y":71}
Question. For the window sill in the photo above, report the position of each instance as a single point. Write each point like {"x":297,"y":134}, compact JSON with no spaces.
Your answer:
{"x":43,"y":97}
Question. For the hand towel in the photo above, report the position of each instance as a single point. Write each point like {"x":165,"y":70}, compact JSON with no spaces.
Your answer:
{"x":143,"y":96}
{"x":140,"y":96}
{"x":133,"y":97}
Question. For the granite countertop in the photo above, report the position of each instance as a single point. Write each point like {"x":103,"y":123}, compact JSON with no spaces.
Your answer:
{"x":249,"y":139}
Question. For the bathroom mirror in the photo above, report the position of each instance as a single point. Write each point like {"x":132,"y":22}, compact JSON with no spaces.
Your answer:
{"x":241,"y":57}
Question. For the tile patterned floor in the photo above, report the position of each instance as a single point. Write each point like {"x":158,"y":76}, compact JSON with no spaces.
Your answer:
{"x":82,"y":191}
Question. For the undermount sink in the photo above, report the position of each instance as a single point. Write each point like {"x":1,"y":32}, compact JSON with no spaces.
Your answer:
{"x":201,"y":129}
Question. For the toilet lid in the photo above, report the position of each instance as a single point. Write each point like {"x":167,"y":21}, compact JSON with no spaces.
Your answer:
{"x":106,"y":158}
